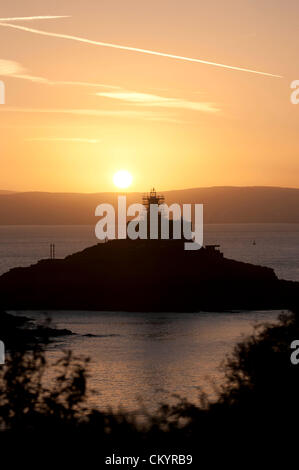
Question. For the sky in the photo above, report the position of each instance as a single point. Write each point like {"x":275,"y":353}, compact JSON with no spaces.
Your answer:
{"x":93,"y":87}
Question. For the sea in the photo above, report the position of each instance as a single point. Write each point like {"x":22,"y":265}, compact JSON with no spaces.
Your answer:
{"x":140,"y":360}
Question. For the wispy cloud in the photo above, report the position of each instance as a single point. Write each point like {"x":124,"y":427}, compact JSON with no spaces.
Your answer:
{"x":63,"y":139}
{"x":148,"y":115}
{"x":135,"y":49}
{"x":31,"y":18}
{"x":149,"y":100}
{"x":10,"y":68}
{"x":86,"y":84}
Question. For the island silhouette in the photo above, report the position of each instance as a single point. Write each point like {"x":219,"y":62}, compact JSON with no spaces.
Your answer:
{"x":145,"y":275}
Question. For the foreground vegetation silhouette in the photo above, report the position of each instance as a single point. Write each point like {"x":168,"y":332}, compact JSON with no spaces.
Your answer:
{"x":45,"y":411}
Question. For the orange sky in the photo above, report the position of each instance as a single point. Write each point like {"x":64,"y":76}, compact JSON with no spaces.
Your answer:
{"x":76,"y":112}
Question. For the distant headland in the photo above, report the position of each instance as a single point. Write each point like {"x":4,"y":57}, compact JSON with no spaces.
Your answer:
{"x":222,"y":204}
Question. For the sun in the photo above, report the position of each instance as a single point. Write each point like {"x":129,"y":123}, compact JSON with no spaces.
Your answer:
{"x":122,"y":179}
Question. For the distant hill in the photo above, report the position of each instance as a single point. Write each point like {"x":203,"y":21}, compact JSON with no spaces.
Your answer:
{"x":6,"y":191}
{"x":225,"y":204}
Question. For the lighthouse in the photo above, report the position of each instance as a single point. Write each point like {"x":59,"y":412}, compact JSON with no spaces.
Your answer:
{"x":175,"y":226}
{"x":152,"y":198}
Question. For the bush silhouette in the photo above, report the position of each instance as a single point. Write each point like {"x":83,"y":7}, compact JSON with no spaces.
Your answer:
{"x":252,"y":412}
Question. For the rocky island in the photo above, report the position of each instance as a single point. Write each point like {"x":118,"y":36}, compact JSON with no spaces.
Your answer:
{"x":145,"y":275}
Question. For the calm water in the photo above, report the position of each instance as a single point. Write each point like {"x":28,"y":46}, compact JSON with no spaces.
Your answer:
{"x":153,"y":356}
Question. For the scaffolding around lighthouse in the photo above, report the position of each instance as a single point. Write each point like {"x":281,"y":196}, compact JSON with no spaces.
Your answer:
{"x":174,"y":226}
{"x":152,"y":198}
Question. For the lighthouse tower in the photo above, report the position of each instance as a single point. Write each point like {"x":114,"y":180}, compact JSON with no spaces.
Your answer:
{"x":152,"y":198}
{"x":175,"y":226}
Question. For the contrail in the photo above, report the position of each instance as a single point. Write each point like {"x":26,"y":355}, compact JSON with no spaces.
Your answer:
{"x":136,"y":49}
{"x":30,"y":18}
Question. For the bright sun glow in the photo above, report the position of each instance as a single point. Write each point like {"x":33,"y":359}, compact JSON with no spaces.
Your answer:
{"x":122,"y":179}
